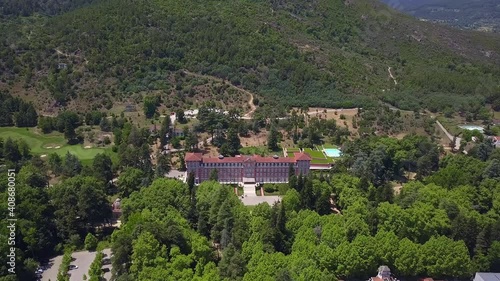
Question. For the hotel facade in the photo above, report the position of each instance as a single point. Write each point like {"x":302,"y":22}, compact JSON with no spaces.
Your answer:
{"x":247,"y":169}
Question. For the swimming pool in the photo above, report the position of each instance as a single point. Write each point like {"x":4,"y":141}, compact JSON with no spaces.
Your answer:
{"x":332,"y":152}
{"x":472,"y":127}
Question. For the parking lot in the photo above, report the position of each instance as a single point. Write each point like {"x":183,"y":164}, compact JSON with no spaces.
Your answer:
{"x":81,"y":259}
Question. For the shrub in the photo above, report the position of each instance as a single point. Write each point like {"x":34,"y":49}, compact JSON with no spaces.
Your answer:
{"x":90,"y":242}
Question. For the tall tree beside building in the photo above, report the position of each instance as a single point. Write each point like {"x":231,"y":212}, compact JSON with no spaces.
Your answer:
{"x":179,"y":115}
{"x":163,"y":165}
{"x":182,"y":162}
{"x":233,"y":141}
{"x":191,"y":140}
{"x":164,"y":130}
{"x":272,"y":139}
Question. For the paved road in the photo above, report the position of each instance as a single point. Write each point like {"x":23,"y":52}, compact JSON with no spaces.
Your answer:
{"x":82,"y":259}
{"x":250,"y":198}
{"x":256,"y":200}
{"x":52,"y":270}
{"x":176,"y":174}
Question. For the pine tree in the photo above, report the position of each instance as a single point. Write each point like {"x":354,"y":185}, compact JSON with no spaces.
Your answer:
{"x":164,"y":130}
{"x":163,"y":165}
{"x":72,"y":165}
{"x":190,"y":182}
{"x":307,"y":193}
{"x":272,"y":139}
{"x":300,"y":183}
{"x":11,"y":151}
{"x":55,"y":163}
{"x":69,"y":131}
{"x":182,"y":163}
{"x":105,"y":125}
{"x":233,"y":141}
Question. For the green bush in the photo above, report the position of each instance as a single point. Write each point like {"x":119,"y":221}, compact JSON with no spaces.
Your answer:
{"x":90,"y":242}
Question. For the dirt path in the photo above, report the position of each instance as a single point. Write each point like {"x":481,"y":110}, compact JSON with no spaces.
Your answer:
{"x":250,"y":101}
{"x":392,"y":76}
{"x":252,"y":106}
{"x":450,"y":136}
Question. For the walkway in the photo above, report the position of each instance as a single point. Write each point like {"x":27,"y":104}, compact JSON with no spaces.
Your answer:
{"x":250,"y":198}
{"x":450,"y":136}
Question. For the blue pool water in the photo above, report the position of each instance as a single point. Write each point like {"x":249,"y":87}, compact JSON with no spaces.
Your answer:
{"x":332,"y":152}
{"x":472,"y":127}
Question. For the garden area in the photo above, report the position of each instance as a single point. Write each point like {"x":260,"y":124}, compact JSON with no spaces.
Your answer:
{"x":272,"y":189}
{"x":290,"y":151}
{"x":318,"y":157}
{"x":259,"y":150}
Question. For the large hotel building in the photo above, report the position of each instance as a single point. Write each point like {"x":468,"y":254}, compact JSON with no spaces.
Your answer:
{"x":247,"y":169}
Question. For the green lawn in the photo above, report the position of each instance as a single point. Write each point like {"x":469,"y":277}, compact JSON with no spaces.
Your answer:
{"x":290,"y":154}
{"x":39,"y":143}
{"x":293,"y":149}
{"x":322,"y":161}
{"x":318,"y":157}
{"x":328,"y":145}
{"x":259,"y":150}
{"x":314,"y":153}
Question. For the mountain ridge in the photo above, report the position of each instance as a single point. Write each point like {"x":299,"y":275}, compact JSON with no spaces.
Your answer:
{"x":319,"y":52}
{"x":481,"y":15}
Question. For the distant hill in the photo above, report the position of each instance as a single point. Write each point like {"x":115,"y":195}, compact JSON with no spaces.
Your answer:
{"x":473,"y":14}
{"x":46,"y":7}
{"x":334,"y":53}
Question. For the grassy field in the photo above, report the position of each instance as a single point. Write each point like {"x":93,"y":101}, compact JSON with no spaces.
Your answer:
{"x":259,"y":150}
{"x":44,"y":144}
{"x":328,"y":145}
{"x":318,"y":157}
{"x":314,"y":153}
{"x":293,"y":149}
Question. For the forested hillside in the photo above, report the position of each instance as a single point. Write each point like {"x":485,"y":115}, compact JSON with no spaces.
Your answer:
{"x":330,"y":225}
{"x":318,"y":53}
{"x":47,"y":7}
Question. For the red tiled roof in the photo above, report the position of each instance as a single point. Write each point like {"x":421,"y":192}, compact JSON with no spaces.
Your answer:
{"x":223,"y":160}
{"x":299,"y":156}
{"x":193,"y":156}
{"x":260,"y":159}
{"x":242,"y":159}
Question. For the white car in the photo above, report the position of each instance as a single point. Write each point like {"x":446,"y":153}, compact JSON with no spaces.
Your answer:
{"x":72,"y":266}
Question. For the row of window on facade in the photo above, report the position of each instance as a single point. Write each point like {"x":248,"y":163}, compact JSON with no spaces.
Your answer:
{"x":240,"y":165}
